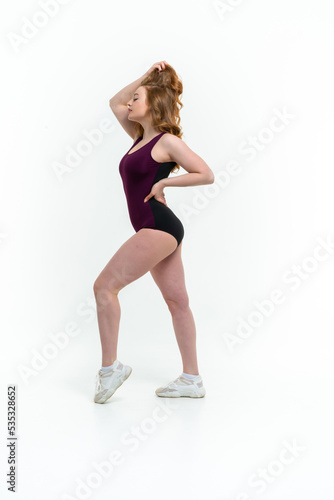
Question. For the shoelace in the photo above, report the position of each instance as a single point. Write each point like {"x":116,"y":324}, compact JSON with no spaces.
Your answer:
{"x":98,"y":380}
{"x":173,"y":384}
{"x":181,"y":378}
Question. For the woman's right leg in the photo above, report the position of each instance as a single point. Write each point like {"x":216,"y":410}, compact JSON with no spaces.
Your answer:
{"x":133,"y":259}
{"x":169,"y":276}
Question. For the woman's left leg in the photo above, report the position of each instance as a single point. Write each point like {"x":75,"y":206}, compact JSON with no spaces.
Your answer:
{"x":169,"y":276}
{"x":132,"y":260}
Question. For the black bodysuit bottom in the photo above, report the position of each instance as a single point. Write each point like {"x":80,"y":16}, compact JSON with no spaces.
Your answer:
{"x":166,"y":220}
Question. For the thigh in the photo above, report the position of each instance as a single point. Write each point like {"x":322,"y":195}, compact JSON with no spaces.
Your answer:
{"x":168,"y":274}
{"x":135,"y":257}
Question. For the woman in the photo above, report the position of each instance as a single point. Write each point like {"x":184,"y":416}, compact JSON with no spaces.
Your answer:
{"x":148,"y":110}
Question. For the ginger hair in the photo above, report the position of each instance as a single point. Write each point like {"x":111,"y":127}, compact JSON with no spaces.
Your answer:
{"x":163,"y":91}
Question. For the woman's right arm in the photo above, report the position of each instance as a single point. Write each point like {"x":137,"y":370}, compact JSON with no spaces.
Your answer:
{"x":118,"y":103}
{"x":124,"y":95}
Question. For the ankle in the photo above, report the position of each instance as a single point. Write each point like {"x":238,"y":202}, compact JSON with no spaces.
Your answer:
{"x":191,"y":371}
{"x":189,"y":376}
{"x":108,"y":362}
{"x":104,"y":368}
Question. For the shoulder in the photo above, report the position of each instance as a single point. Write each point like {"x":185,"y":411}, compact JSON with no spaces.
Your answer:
{"x":183,"y":155}
{"x":165,"y":147}
{"x":170,"y":138}
{"x":175,"y":149}
{"x":171,"y":142}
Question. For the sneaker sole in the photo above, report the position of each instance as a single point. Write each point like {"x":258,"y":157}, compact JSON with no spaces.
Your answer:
{"x":173,"y":395}
{"x":109,"y":396}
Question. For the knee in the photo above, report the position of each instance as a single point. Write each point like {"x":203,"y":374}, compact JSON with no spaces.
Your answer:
{"x":178,"y":303}
{"x":98,"y":286}
{"x":102,"y":294}
{"x":102,"y":286}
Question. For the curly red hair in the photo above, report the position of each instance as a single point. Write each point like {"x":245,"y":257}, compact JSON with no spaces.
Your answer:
{"x":163,"y":89}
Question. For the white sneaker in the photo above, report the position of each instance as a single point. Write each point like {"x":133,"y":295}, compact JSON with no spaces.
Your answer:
{"x":182,"y":386}
{"x":108,"y":381}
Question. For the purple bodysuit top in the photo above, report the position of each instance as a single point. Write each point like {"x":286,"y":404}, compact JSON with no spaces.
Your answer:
{"x":139,"y":172}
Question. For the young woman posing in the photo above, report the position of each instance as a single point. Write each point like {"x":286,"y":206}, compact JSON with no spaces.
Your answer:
{"x":148,"y":110}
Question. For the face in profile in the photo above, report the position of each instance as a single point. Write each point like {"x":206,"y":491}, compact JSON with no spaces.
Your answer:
{"x":137,"y":105}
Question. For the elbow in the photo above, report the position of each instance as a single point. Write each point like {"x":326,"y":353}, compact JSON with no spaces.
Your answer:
{"x":208,"y":175}
{"x":210,"y":178}
{"x":111,"y":103}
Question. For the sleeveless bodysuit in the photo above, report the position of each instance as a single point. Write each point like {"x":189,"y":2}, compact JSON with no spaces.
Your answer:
{"x":139,"y":172}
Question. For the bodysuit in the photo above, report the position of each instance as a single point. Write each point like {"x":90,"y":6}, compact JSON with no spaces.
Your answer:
{"x":139,"y":172}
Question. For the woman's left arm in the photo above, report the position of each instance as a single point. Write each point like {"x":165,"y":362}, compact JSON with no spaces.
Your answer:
{"x":198,"y":171}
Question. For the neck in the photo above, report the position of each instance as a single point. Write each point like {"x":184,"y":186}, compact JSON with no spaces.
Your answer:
{"x":149,"y":131}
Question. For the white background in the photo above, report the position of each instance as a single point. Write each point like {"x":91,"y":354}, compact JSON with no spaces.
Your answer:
{"x":239,"y":62}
